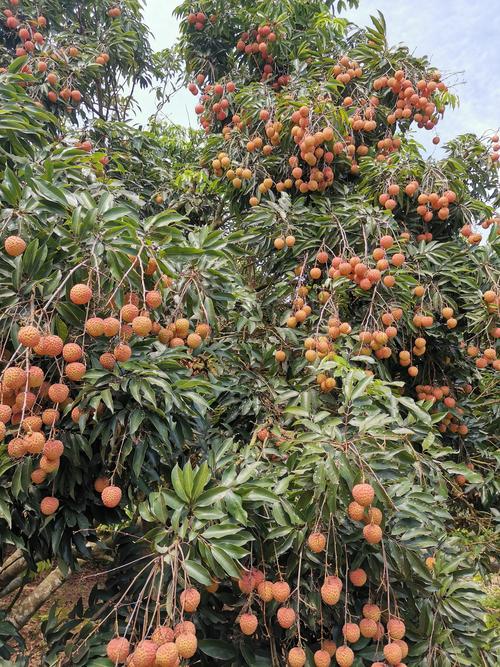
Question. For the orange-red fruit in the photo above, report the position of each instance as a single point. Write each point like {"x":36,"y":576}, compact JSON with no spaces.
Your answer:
{"x":162,"y":634}
{"x":153,"y":299}
{"x":14,"y":246}
{"x":80,"y":294}
{"x":322,"y":658}
{"x":107,"y":360}
{"x":344,"y":656}
{"x":29,"y":336}
{"x":52,"y":346}
{"x":94,"y":326}
{"x":167,"y":655}
{"x":186,"y":645}
{"x":14,"y":377}
{"x":38,"y":476}
{"x":72,"y":352}
{"x":111,"y":496}
{"x":75,"y":371}
{"x":248,"y":623}
{"x":53,"y":450}
{"x":5,"y":413}
{"x":368,"y":627}
{"x":329,"y":646}
{"x":330,"y":593}
{"x":286,"y":617}
{"x":49,"y":505}
{"x":296,"y":657}
{"x":111,"y":326}
{"x":316,"y":542}
{"x":194,"y":340}
{"x":129,"y":312}
{"x":372,"y":533}
{"x":265,"y":591}
{"x":351,"y":632}
{"x":142,"y":325}
{"x":100,"y":484}
{"x":145,"y":654}
{"x":372,"y":611}
{"x":355,"y":511}
{"x":122,"y":352}
{"x":281,"y":591}
{"x":396,"y":628}
{"x":16,"y":448}
{"x":185,"y":627}
{"x":190,"y":599}
{"x":118,"y":650}
{"x":58,"y":392}
{"x":358,"y":577}
{"x":393,"y":653}
{"x":363,"y":494}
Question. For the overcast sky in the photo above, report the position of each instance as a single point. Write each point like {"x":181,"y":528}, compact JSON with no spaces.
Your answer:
{"x":458,"y":35}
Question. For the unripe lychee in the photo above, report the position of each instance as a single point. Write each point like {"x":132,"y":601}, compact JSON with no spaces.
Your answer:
{"x":393,"y":653}
{"x":29,"y":336}
{"x":72,"y":352}
{"x":75,"y":371}
{"x":358,"y":577}
{"x":58,"y":392}
{"x":286,"y":617}
{"x":396,"y":628}
{"x":118,"y":650}
{"x":344,"y":656}
{"x":316,"y":542}
{"x":351,"y":632}
{"x":372,"y":611}
{"x":162,"y":634}
{"x":53,"y":450}
{"x":372,"y":533}
{"x":111,"y":496}
{"x":52,"y":345}
{"x":94,"y":326}
{"x":153,"y":299}
{"x":297,"y":657}
{"x":265,"y":591}
{"x":322,"y":658}
{"x":129,"y":312}
{"x":111,"y":326}
{"x":14,"y":246}
{"x":363,"y":494}
{"x":80,"y":294}
{"x":248,"y":623}
{"x":145,"y":653}
{"x":190,"y":599}
{"x":142,"y":325}
{"x":167,"y":654}
{"x":186,"y":645}
{"x":368,"y":627}
{"x":49,"y":505}
{"x":281,"y":591}
{"x":122,"y":352}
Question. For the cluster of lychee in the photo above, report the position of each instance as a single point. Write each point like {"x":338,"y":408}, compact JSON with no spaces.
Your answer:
{"x":198,"y":20}
{"x":256,"y":44}
{"x":214,"y":103}
{"x":429,"y":204}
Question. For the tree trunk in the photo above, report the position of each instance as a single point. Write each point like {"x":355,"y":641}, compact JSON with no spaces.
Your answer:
{"x":29,"y":605}
{"x":11,"y":567}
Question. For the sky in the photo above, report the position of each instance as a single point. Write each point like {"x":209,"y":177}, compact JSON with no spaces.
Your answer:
{"x":458,"y":36}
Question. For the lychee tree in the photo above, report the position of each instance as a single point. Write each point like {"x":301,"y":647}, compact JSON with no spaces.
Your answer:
{"x":275,"y":403}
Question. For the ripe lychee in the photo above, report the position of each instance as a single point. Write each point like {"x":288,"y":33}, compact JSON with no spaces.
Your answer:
{"x":50,"y":416}
{"x":53,"y":450}
{"x":29,"y":336}
{"x":186,"y":645}
{"x":393,"y":653}
{"x":329,"y":646}
{"x":14,"y":377}
{"x":145,"y":653}
{"x":5,"y":413}
{"x":330,"y":593}
{"x":122,"y":352}
{"x":194,"y":340}
{"x":49,"y":505}
{"x":344,"y":656}
{"x":75,"y":371}
{"x":80,"y":294}
{"x":58,"y":392}
{"x":281,"y":591}
{"x":372,"y":533}
{"x":190,"y":599}
{"x":111,"y":496}
{"x":35,"y":442}
{"x":358,"y":577}
{"x":118,"y":650}
{"x":14,"y":246}
{"x":316,"y":542}
{"x":372,"y":611}
{"x":162,"y":634}
{"x":107,"y":360}
{"x":100,"y":484}
{"x":297,"y":657}
{"x":38,"y":476}
{"x":167,"y":654}
{"x":248,"y":623}
{"x":355,"y":511}
{"x":203,"y":330}
{"x":322,"y":658}
{"x":396,"y":628}
{"x":52,"y":346}
{"x":49,"y":466}
{"x":94,"y":326}
{"x":153,"y":299}
{"x":184,"y":627}
{"x":72,"y":352}
{"x":35,"y":377}
{"x":142,"y":325}
{"x":363,"y":494}
{"x":286,"y":617}
{"x":368,"y":627}
{"x":16,"y":448}
{"x":351,"y":632}
{"x":111,"y":326}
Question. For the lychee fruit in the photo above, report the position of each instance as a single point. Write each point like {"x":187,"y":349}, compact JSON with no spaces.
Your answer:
{"x":248,"y":623}
{"x":329,"y":646}
{"x":111,"y":326}
{"x":368,"y":627}
{"x":355,"y":511}
{"x":297,"y":657}
{"x":118,"y":650}
{"x":363,"y":494}
{"x":162,"y":634}
{"x":50,"y":416}
{"x":286,"y":617}
{"x":16,"y":448}
{"x":281,"y":591}
{"x":14,"y":245}
{"x":142,"y":325}
{"x":100,"y":484}
{"x":167,"y":654}
{"x":35,"y":377}
{"x":322,"y":658}
{"x":72,"y":352}
{"x":190,"y":599}
{"x":186,"y":645}
{"x":145,"y":653}
{"x":129,"y":312}
{"x":372,"y":611}
{"x":358,"y":577}
{"x":344,"y":656}
{"x":58,"y":392}
{"x":94,"y":326}
{"x":185,"y":627}
{"x":49,"y":505}
{"x":14,"y":377}
{"x":194,"y":340}
{"x":351,"y":632}
{"x":111,"y":496}
{"x":330,"y":593}
{"x":29,"y":336}
{"x":153,"y":299}
{"x":372,"y":533}
{"x":393,"y":653}
{"x":122,"y":352}
{"x":75,"y":371}
{"x":80,"y":294}
{"x":34,"y":442}
{"x":52,"y":346}
{"x":316,"y":542}
{"x":38,"y":476}
{"x":396,"y":628}
{"x":107,"y":361}
{"x":53,"y":450}
{"x":265,"y":591}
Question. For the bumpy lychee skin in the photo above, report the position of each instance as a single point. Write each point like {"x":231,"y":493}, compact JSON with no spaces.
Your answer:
{"x":34,"y":442}
{"x":186,"y":645}
{"x":372,"y":533}
{"x":316,"y":542}
{"x":162,"y":634}
{"x":122,"y":352}
{"x":190,"y":599}
{"x":363,"y":494}
{"x":53,"y":449}
{"x":355,"y":511}
{"x":344,"y":656}
{"x":265,"y":591}
{"x":100,"y":484}
{"x":29,"y":336}
{"x":194,"y":340}
{"x":281,"y":591}
{"x":297,"y":657}
{"x":118,"y":650}
{"x":49,"y":466}
{"x":185,"y":627}
{"x":94,"y":326}
{"x":16,"y":448}
{"x":330,"y":594}
{"x":393,"y":653}
{"x":14,"y":377}
{"x":286,"y":617}
{"x":58,"y":392}
{"x":373,"y":515}
{"x":14,"y":246}
{"x":403,"y":646}
{"x":153,"y":299}
{"x":128,"y":312}
{"x":167,"y":655}
{"x":75,"y":371}
{"x":3,"y":431}
{"x":351,"y":632}
{"x":248,"y":623}
{"x":80,"y":294}
{"x":182,"y":327}
{"x":72,"y":352}
{"x":111,"y":496}
{"x":368,"y":627}
{"x":107,"y":361}
{"x":50,"y":416}
{"x":203,"y":330}
{"x":49,"y":505}
{"x":322,"y":658}
{"x":35,"y":377}
{"x":396,"y":628}
{"x":38,"y":476}
{"x":5,"y":413}
{"x":358,"y":577}
{"x":52,"y":345}
{"x":329,"y":646}
{"x":142,"y":325}
{"x":111,"y":326}
{"x":145,"y":653}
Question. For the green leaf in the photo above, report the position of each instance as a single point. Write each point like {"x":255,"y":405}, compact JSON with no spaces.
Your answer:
{"x":196,"y":571}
